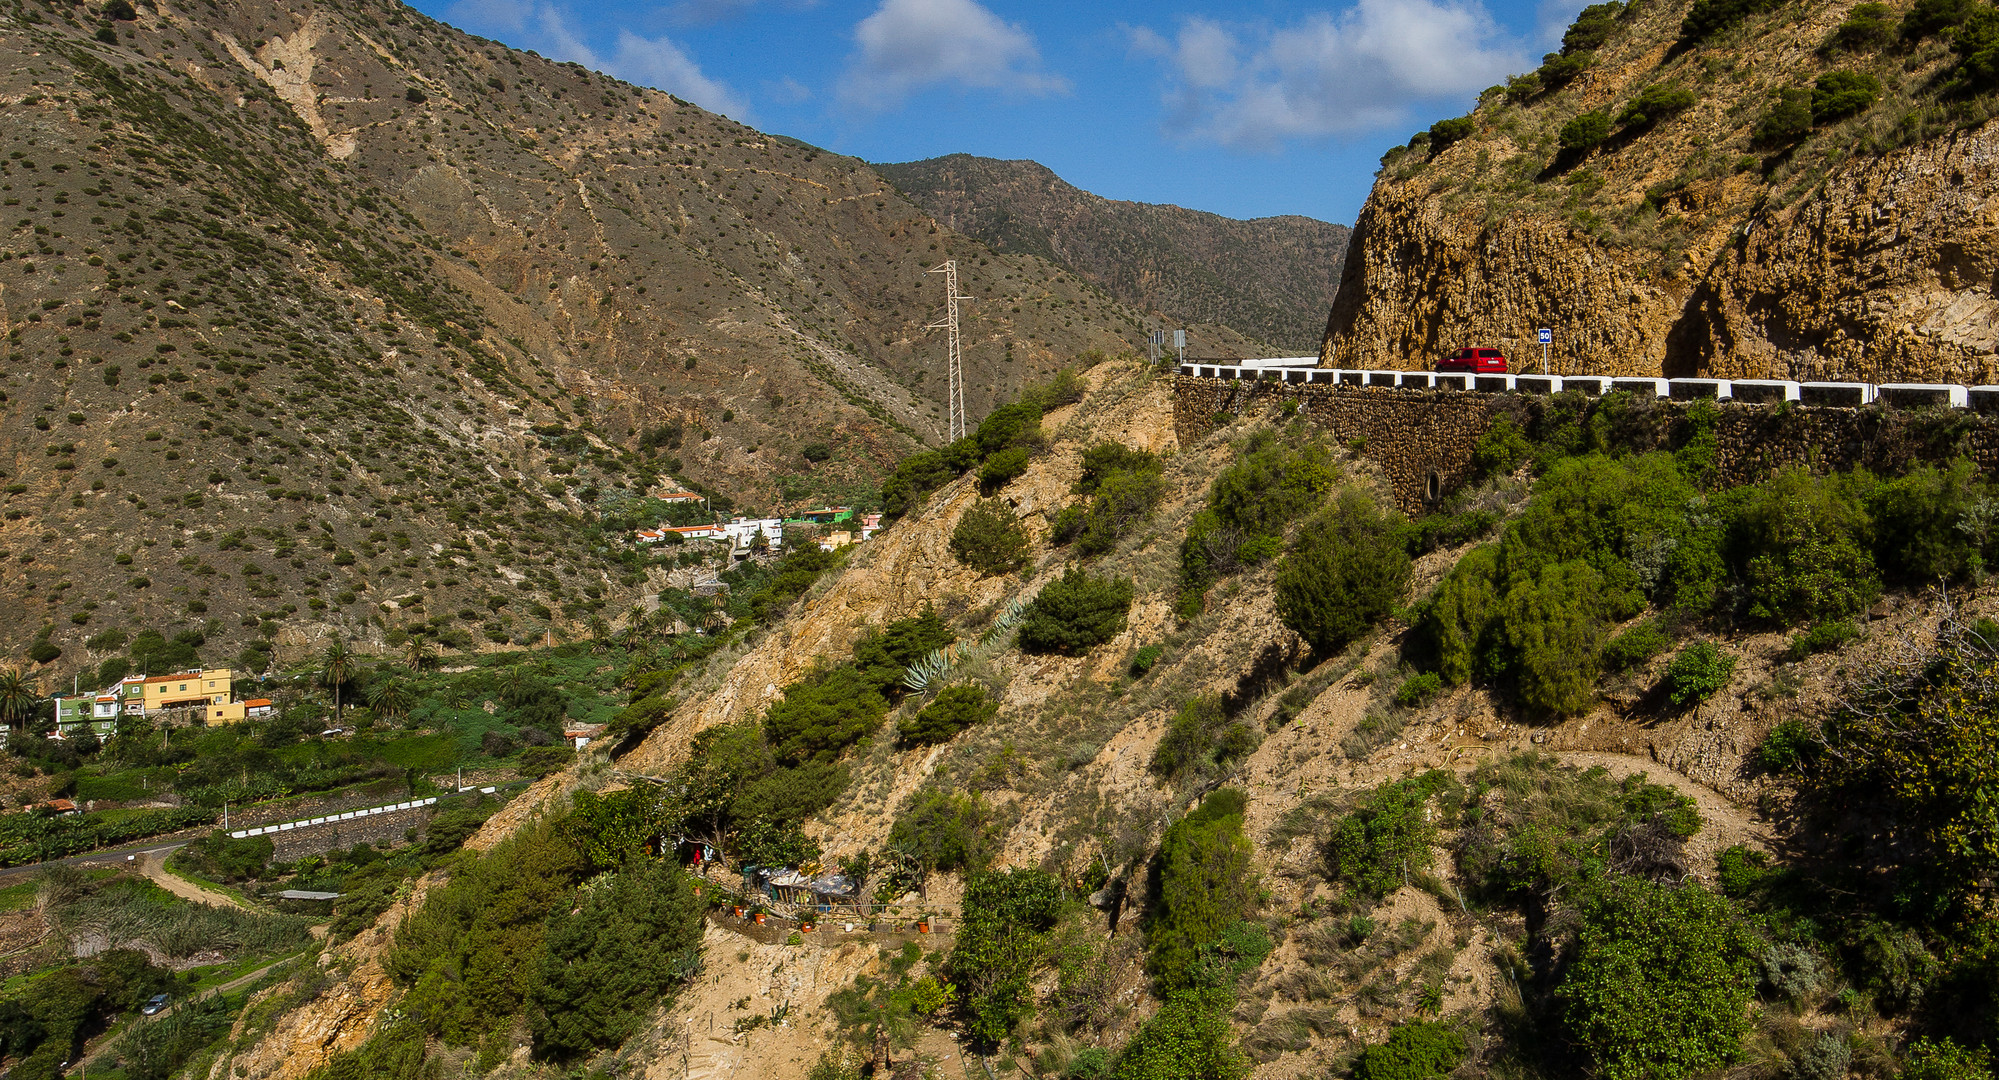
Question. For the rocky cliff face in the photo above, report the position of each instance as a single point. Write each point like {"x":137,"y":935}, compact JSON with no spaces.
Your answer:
{"x":1704,"y":241}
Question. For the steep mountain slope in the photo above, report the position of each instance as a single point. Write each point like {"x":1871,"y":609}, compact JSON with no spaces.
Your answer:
{"x":1270,"y":278}
{"x":1794,"y":190}
{"x":325,"y":318}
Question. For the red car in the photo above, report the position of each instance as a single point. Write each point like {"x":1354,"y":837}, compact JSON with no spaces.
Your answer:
{"x":1476,"y":361}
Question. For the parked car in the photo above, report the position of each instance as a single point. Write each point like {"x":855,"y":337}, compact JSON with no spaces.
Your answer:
{"x":154,"y":1004}
{"x":1476,"y":361}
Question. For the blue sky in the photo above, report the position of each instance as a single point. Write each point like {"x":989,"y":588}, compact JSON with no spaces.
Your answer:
{"x":1246,"y":109}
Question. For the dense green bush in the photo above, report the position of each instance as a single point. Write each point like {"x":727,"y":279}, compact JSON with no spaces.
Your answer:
{"x":219,"y":858}
{"x":821,"y":715}
{"x":1201,"y":884}
{"x":1419,"y":689}
{"x":1585,"y":131}
{"x":1788,"y":119}
{"x":1534,"y":828}
{"x":1190,"y":1036}
{"x":999,"y":944}
{"x":1661,"y":980}
{"x":1805,"y":538}
{"x":789,"y":579}
{"x":1560,"y":69}
{"x":1839,"y":94}
{"x":989,"y":539}
{"x":1418,"y":1050}
{"x":942,"y":830}
{"x":1445,"y":132}
{"x":608,"y":962}
{"x":1592,"y":27}
{"x":1975,"y":39}
{"x":1124,"y":486}
{"x":1867,"y":28}
{"x":1203,"y":739}
{"x":1387,"y":836}
{"x":1701,"y":671}
{"x":1928,"y":17}
{"x":1272,"y":483}
{"x":956,"y":708}
{"x":1347,"y":571}
{"x":1942,"y":1059}
{"x":1824,"y":637}
{"x":1930,"y":523}
{"x":1002,"y":467}
{"x":1075,"y":612}
{"x":1635,"y":646}
{"x":1011,"y":434}
{"x":1708,"y":17}
{"x":1655,"y":104}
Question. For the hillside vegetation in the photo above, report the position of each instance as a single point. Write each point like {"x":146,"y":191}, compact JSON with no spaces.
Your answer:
{"x":1275,"y":781}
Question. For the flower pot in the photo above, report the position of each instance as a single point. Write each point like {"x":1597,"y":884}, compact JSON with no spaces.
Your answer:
{"x":806,"y":927}
{"x":738,"y":911}
{"x":760,"y":918}
{"x":923,"y":926}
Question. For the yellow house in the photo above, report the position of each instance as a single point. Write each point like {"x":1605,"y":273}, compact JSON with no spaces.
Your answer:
{"x":187,"y":689}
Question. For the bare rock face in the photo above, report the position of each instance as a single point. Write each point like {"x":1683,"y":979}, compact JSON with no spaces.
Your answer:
{"x":1867,"y":249}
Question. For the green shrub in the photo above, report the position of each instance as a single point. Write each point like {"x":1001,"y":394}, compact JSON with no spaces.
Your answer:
{"x":1824,"y":637}
{"x":1537,"y":828}
{"x":1203,"y":739}
{"x":1592,"y":27}
{"x":538,"y":761}
{"x":1842,"y":93}
{"x":1585,"y":131}
{"x":1347,"y":571}
{"x":1701,"y":671}
{"x":956,"y":708}
{"x":1002,"y":467}
{"x":1934,"y":17}
{"x":1654,"y":104}
{"x":1075,"y":612}
{"x":1418,"y":1050}
{"x":1504,"y":447}
{"x":1788,"y":119}
{"x":1445,"y":132}
{"x":1867,"y":28}
{"x":1121,"y":503}
{"x":1929,"y":523}
{"x":1419,"y":689}
{"x":1271,"y":484}
{"x":1708,"y":17}
{"x":821,"y":715}
{"x":989,"y":539}
{"x":1190,"y":1036}
{"x":1787,"y":748}
{"x":789,"y":579}
{"x":607,"y":963}
{"x":943,"y":830}
{"x":1386,"y":837}
{"x":219,"y":858}
{"x":1560,"y":69}
{"x":1202,"y":883}
{"x":1660,"y":983}
{"x":1942,"y":1059}
{"x":999,"y":946}
{"x":1740,"y":871}
{"x":1144,"y":659}
{"x":1976,"y":42}
{"x":1635,"y":646}
{"x":1807,"y":561}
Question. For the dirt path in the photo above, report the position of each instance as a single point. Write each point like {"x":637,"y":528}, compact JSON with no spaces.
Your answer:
{"x":154,"y":866}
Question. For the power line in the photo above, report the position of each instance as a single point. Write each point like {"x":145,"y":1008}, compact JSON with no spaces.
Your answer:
{"x":957,"y":365}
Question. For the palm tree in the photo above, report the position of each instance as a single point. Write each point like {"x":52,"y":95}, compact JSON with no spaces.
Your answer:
{"x":418,"y":652}
{"x":600,"y":633}
{"x":390,"y":696}
{"x":17,"y":699}
{"x":336,"y":664}
{"x":636,"y":628}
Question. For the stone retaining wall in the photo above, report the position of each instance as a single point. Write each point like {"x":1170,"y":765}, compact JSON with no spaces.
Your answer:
{"x":381,"y":830}
{"x":1423,"y":439}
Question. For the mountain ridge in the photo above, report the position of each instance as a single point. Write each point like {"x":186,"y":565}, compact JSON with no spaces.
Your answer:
{"x":1271,"y":278}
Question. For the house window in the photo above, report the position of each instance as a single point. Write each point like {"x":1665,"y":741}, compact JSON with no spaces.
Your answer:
{"x":183,"y":686}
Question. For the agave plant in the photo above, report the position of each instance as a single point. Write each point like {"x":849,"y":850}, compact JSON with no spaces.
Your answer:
{"x":931,"y":668}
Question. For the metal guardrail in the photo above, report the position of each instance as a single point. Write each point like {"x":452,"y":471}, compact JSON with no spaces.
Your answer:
{"x":1743,"y":391}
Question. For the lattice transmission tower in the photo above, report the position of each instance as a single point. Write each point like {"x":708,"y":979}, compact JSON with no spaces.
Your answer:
{"x":957,"y":364}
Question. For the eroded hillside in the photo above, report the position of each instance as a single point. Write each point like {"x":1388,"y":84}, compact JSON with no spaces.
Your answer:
{"x":1231,"y":831}
{"x":324,"y":319}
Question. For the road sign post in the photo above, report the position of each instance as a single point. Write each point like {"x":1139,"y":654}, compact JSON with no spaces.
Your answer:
{"x":1180,"y":344}
{"x":1547,"y":337}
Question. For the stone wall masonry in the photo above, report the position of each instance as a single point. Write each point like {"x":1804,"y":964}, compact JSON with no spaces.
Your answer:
{"x":381,"y":830}
{"x":1423,"y":439}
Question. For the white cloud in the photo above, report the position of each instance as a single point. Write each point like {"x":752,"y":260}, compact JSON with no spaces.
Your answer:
{"x":656,"y":62}
{"x":910,"y":44}
{"x":1330,"y":75}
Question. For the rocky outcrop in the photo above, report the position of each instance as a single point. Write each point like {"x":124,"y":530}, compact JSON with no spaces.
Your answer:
{"x":1690,"y":248}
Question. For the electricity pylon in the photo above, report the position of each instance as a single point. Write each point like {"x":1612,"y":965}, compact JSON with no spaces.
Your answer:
{"x":950,"y":323}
